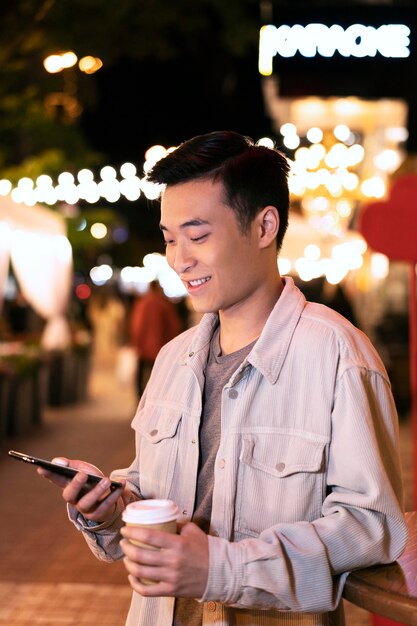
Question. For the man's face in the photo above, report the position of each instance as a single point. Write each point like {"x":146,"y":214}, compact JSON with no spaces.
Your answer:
{"x":220,"y":266}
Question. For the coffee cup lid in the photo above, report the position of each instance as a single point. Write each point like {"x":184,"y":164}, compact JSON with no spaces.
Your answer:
{"x":150,"y":512}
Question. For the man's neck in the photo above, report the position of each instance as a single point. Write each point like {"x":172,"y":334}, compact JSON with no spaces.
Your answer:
{"x":239,"y":329}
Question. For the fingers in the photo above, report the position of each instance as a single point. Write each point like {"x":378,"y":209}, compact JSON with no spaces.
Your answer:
{"x":144,"y":589}
{"x":150,"y":572}
{"x":95,"y":501}
{"x":61,"y":481}
{"x":83,"y":466}
{"x":77,"y":487}
{"x":178,"y":562}
{"x":61,"y":460}
{"x":154,"y":538}
{"x":99,"y":503}
{"x":54,"y":478}
{"x":78,"y":465}
{"x":148,"y":547}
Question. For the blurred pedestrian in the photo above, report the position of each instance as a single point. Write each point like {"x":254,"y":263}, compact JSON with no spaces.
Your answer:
{"x":106,"y":314}
{"x":154,"y":321}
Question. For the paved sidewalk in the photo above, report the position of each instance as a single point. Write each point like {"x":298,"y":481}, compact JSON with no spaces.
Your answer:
{"x":47,"y":574}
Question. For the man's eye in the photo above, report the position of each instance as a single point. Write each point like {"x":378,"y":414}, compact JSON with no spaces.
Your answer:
{"x":168,"y":242}
{"x":200,"y":238}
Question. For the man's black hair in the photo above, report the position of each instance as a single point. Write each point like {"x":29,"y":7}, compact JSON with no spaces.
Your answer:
{"x":253,"y":176}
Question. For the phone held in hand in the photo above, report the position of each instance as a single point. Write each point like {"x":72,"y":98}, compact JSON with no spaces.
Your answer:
{"x":62,"y":470}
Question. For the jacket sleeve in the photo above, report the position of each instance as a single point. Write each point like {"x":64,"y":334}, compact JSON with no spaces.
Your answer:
{"x":302,"y":566}
{"x":103,"y":539}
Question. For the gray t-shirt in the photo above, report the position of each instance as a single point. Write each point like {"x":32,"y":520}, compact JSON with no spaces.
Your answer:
{"x":219,"y":369}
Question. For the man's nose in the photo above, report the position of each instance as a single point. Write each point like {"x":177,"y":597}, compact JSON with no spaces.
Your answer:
{"x":182,"y":259}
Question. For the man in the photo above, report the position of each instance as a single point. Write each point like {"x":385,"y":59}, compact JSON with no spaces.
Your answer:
{"x":271,"y":424}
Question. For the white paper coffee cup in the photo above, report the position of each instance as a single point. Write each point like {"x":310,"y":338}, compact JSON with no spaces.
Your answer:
{"x":156,"y":514}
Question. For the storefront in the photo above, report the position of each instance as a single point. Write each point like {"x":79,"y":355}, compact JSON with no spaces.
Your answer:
{"x":339,"y":87}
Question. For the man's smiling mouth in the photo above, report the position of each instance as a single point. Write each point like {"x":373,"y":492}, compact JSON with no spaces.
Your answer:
{"x":198,"y":281}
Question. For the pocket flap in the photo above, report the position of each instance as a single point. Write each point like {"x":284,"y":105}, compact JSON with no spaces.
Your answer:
{"x":282,"y":454}
{"x":157,"y":423}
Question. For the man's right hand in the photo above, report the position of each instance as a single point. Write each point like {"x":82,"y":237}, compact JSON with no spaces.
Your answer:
{"x":99,"y":503}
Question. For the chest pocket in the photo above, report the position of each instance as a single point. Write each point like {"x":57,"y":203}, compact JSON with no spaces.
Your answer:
{"x":281,"y":478}
{"x":158,"y":431}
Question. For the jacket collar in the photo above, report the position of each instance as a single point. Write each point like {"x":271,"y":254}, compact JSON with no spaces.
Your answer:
{"x":269,"y":352}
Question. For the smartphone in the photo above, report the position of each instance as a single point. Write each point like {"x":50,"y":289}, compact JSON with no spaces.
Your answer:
{"x":63,"y":470}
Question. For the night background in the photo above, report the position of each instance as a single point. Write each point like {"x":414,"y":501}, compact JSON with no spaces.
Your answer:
{"x":170,"y":71}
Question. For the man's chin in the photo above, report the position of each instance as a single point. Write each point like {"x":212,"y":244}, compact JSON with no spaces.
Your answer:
{"x":201,"y":308}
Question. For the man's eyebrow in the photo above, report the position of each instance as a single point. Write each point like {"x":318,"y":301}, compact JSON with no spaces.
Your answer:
{"x":194,"y":222}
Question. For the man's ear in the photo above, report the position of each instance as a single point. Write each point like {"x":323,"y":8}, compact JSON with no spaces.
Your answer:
{"x":268,"y":220}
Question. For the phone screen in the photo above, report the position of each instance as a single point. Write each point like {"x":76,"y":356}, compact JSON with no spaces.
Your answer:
{"x":62,"y":470}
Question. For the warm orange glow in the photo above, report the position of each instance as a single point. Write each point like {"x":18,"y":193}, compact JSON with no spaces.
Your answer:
{"x":55,"y":63}
{"x":90,"y":64}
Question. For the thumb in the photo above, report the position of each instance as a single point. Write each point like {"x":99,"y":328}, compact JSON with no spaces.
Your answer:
{"x":61,"y":460}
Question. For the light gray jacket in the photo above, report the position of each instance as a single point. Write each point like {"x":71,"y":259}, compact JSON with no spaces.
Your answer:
{"x":307,"y":482}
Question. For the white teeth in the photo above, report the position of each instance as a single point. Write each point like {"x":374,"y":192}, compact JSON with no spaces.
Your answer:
{"x":200,"y":281}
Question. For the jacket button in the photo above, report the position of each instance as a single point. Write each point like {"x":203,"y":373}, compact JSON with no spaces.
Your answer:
{"x":222,"y":463}
{"x":154,"y":432}
{"x":280,"y":467}
{"x":233,"y":394}
{"x":191,"y":354}
{"x":211,"y":606}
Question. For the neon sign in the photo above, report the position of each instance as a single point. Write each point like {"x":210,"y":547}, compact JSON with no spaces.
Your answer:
{"x":389,"y":40}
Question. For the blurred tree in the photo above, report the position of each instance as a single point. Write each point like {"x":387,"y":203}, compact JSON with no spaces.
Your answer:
{"x":41,"y":114}
{"x":170,"y":70}
{"x":34,"y":138}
